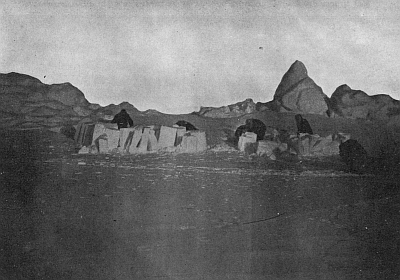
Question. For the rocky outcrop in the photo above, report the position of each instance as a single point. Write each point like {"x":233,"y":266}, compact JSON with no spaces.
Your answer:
{"x":298,"y":93}
{"x":151,"y":112}
{"x":67,"y":94}
{"x":94,"y":106}
{"x":26,"y":102}
{"x":266,"y":106}
{"x":356,"y":104}
{"x":109,"y":111}
{"x":27,"y":88}
{"x":234,"y":110}
{"x":114,"y":109}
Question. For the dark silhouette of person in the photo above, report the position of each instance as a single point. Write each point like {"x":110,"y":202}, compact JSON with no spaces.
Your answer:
{"x":240,"y":130}
{"x":252,"y":125}
{"x":302,"y":125}
{"x":186,"y":124}
{"x":354,"y":155}
{"x":256,"y":126}
{"x":122,"y":119}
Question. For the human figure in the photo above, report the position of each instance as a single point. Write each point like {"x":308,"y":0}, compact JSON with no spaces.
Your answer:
{"x":256,"y":126}
{"x":186,"y":124}
{"x":122,"y":119}
{"x":302,"y":125}
{"x":354,"y":155}
{"x":240,"y":130}
{"x":284,"y":137}
{"x":252,"y":125}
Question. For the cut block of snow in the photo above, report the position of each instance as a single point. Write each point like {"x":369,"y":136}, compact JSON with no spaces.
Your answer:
{"x":88,"y":134}
{"x":112,"y":138}
{"x":153,"y":143}
{"x":193,"y":141}
{"x":144,"y":141}
{"x":167,"y":137}
{"x":103,"y":145}
{"x":124,"y":138}
{"x":248,"y":142}
{"x":84,"y":150}
{"x":134,"y":139}
{"x":180,"y":131}
{"x":267,"y":148}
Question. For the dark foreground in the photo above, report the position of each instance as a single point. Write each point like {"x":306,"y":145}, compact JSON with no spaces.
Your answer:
{"x":207,"y":216}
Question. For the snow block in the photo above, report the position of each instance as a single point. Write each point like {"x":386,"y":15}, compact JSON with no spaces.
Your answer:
{"x":134,"y":139}
{"x":305,"y":142}
{"x":88,"y":134}
{"x":93,"y":149}
{"x":180,"y":131}
{"x":81,"y":136}
{"x":84,"y":150}
{"x":167,"y":137}
{"x":96,"y":143}
{"x":201,"y":140}
{"x":325,"y":146}
{"x":144,"y":141}
{"x":112,"y":138}
{"x":80,"y":130}
{"x":84,"y":135}
{"x":270,"y":148}
{"x":248,"y":142}
{"x":193,"y":141}
{"x":189,"y":144}
{"x":100,"y":132}
{"x":103,"y":145}
{"x":153,"y":143}
{"x":124,"y":138}
{"x":315,"y":145}
{"x":99,"y":129}
{"x":77,"y":132}
{"x":341,"y":137}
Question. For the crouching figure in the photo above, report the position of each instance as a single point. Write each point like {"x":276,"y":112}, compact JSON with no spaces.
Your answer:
{"x":303,"y":126}
{"x":252,"y":125}
{"x":186,"y":124}
{"x":122,"y":119}
{"x":354,"y":155}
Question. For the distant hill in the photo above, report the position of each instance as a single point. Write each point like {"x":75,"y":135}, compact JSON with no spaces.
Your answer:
{"x":26,"y":103}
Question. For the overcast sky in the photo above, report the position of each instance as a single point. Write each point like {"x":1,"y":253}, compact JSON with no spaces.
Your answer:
{"x":175,"y":56}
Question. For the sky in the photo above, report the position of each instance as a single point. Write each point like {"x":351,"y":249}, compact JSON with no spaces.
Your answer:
{"x":175,"y":56}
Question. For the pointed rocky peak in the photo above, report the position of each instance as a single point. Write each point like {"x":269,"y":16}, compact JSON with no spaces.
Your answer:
{"x":342,"y":88}
{"x":295,"y":74}
{"x":297,"y":92}
{"x":298,"y":68}
{"x":126,"y":105}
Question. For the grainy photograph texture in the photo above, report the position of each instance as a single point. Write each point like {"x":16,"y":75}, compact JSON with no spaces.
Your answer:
{"x":199,"y":140}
